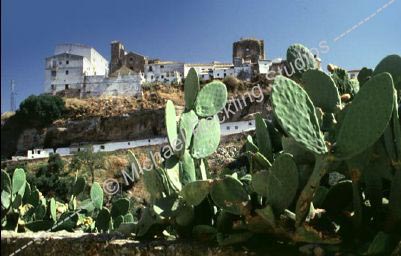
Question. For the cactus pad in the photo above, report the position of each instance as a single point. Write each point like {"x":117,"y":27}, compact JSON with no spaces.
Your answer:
{"x":296,"y":114}
{"x":321,"y":90}
{"x":191,"y":88}
{"x":188,"y":173}
{"x":196,"y":191}
{"x":120,"y":207}
{"x":367,"y":117}
{"x":96,"y":194}
{"x":19,"y":182}
{"x":103,"y":220}
{"x":206,"y":138}
{"x":188,"y":122}
{"x":263,"y":138}
{"x":171,"y":124}
{"x":282,"y":183}
{"x":79,"y":186}
{"x":392,"y":65}
{"x":211,"y":99}
{"x":300,"y":59}
{"x":229,"y":195}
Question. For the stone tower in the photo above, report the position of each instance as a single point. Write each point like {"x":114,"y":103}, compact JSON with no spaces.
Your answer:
{"x":117,"y":55}
{"x":248,"y":50}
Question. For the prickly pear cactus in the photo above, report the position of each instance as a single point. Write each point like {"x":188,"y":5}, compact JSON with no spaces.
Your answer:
{"x":19,"y":182}
{"x":120,"y":207}
{"x":300,"y":59}
{"x":321,"y":90}
{"x":188,"y":171}
{"x":191,"y":88}
{"x":211,"y":99}
{"x":79,"y":186}
{"x":230,"y":195}
{"x":364,"y":75}
{"x":206,"y":137}
{"x":188,"y":122}
{"x":195,"y":192}
{"x":96,"y":194}
{"x":282,"y":183}
{"x":171,"y":124}
{"x":263,"y":138}
{"x":366,"y":118}
{"x":103,"y":220}
{"x":392,"y":65}
{"x":296,"y":114}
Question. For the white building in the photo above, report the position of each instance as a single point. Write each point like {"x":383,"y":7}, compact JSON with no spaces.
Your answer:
{"x":69,"y":65}
{"x":169,"y":72}
{"x":82,"y":69}
{"x":353,"y":73}
{"x":209,"y":71}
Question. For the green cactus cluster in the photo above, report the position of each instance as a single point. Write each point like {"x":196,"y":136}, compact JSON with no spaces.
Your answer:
{"x":323,"y":168}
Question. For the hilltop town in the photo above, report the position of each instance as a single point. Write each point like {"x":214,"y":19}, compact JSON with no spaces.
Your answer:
{"x":80,"y":71}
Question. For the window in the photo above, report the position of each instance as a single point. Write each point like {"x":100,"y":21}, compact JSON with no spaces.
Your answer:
{"x":236,"y":127}
{"x":131,"y":59}
{"x":162,"y":76}
{"x":67,"y":62}
{"x":67,"y":86}
{"x":102,"y":147}
{"x":129,"y":143}
{"x":150,"y":69}
{"x":38,"y":152}
{"x":161,"y":66}
{"x":60,"y":62}
{"x":250,"y":123}
{"x":54,"y":73}
{"x":66,"y":72}
{"x":53,"y":86}
{"x":228,"y":127}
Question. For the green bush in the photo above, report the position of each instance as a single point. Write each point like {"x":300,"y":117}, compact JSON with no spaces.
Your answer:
{"x":51,"y":179}
{"x":42,"y":109}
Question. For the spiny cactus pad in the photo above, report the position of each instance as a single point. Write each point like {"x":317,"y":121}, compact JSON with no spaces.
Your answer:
{"x":260,"y":182}
{"x":191,"y":88}
{"x":300,"y":59}
{"x":367,"y":117}
{"x":53,"y":213}
{"x":120,"y":207}
{"x":296,"y":114}
{"x":96,"y":194}
{"x":79,"y":186}
{"x":19,"y":182}
{"x":263,"y":138}
{"x":392,"y":65}
{"x":211,"y":99}
{"x":171,"y":124}
{"x":188,"y":122}
{"x":188,"y":168}
{"x":196,"y":191}
{"x":103,"y":220}
{"x":321,"y":90}
{"x":153,"y":183}
{"x":206,"y":137}
{"x":229,"y":195}
{"x":282,"y":183}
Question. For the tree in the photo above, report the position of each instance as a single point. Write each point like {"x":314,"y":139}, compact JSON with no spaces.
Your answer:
{"x":41,"y":110}
{"x":89,"y":160}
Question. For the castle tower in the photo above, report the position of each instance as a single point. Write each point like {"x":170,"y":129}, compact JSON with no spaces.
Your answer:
{"x":117,"y":54}
{"x":248,"y":50}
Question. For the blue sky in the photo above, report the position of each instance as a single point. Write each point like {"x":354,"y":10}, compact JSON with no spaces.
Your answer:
{"x":192,"y":31}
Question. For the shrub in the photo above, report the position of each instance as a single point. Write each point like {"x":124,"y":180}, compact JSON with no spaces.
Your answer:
{"x":232,"y":83}
{"x":41,"y":110}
